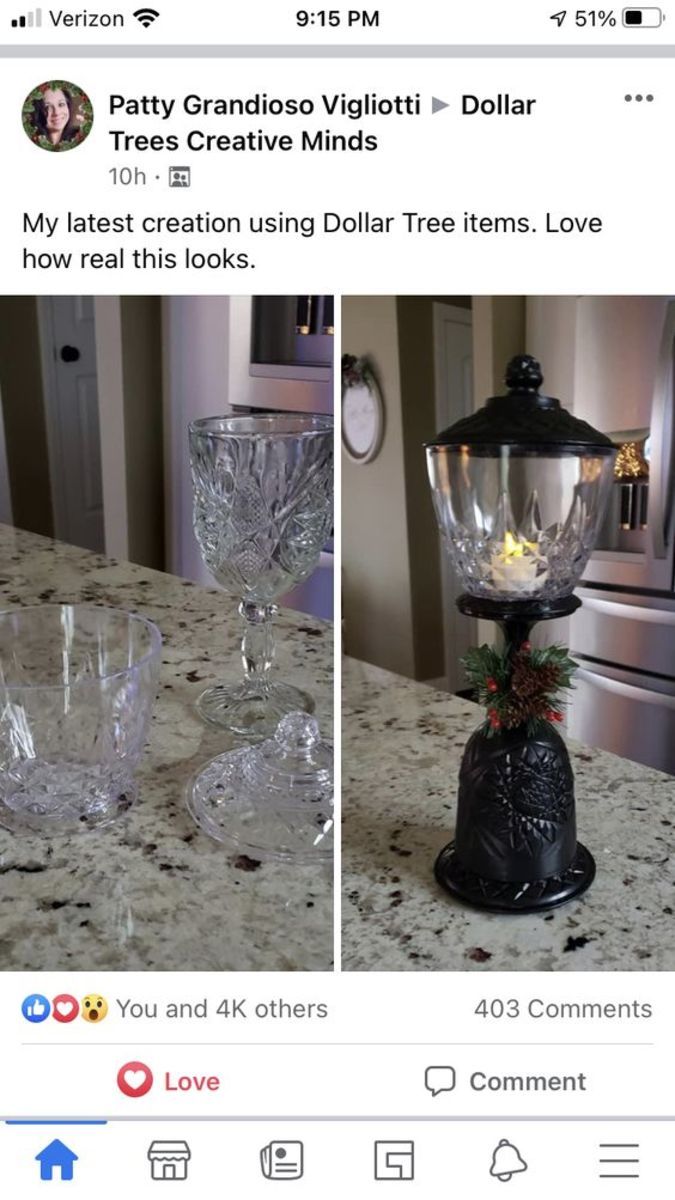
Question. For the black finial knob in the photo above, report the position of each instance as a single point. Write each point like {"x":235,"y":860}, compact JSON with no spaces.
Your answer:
{"x":523,"y":374}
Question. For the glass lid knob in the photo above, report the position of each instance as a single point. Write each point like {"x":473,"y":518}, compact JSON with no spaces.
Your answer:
{"x":298,"y":733}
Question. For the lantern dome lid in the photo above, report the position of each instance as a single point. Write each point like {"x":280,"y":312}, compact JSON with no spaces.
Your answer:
{"x":524,"y":420}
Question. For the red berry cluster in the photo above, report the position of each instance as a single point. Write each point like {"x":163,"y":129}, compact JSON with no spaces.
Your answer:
{"x":519,"y":685}
{"x":492,"y":686}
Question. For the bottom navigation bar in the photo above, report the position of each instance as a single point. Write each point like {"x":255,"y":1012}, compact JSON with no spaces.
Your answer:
{"x":329,"y":1156}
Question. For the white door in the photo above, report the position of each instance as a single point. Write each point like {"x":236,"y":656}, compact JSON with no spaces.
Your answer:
{"x":453,"y":352}
{"x":68,"y":336}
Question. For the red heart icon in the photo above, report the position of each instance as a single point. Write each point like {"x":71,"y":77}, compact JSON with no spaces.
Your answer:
{"x":65,"y":1008}
{"x":134,"y":1079}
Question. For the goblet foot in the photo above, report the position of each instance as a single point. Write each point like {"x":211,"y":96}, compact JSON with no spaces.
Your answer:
{"x":496,"y":896}
{"x":249,"y":712}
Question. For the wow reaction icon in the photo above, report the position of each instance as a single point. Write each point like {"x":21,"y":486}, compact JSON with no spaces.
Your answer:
{"x":94,"y":1008}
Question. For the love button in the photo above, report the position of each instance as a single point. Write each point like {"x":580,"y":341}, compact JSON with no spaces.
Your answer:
{"x":191,"y":1083}
{"x":134,"y":1079}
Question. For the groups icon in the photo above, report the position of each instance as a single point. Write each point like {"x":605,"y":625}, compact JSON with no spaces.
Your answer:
{"x":64,"y":1008}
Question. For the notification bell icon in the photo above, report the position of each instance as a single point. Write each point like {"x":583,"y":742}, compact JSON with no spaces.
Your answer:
{"x":506,"y":1161}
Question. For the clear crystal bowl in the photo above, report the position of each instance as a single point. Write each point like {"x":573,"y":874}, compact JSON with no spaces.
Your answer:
{"x":77,"y":687}
{"x":518,"y":525}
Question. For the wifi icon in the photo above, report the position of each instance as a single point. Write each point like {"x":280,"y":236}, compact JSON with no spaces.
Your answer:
{"x":146,"y":16}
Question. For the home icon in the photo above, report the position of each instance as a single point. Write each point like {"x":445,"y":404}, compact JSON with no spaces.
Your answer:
{"x":56,"y":1157}
{"x":169,"y":1160}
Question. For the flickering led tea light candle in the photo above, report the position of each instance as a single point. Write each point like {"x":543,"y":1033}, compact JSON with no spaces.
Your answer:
{"x":515,"y":567}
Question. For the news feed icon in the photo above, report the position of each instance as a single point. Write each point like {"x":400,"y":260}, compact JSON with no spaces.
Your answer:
{"x":57,"y":1162}
{"x":394,"y":1160}
{"x":282,"y":1160}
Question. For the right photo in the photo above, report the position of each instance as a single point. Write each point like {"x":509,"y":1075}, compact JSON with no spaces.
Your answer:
{"x":508,"y":584}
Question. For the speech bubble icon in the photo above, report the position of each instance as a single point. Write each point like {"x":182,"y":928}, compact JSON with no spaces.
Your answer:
{"x":439,"y":1079}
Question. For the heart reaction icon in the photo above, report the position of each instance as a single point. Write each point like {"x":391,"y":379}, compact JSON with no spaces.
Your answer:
{"x":65,"y":1008}
{"x":134,"y":1079}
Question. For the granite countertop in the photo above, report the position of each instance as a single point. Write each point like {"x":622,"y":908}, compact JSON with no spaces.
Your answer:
{"x":151,"y":891}
{"x":402,"y":744}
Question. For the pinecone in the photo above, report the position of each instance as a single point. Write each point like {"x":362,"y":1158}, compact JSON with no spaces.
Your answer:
{"x":516,"y":712}
{"x":520,"y":709}
{"x":528,"y":680}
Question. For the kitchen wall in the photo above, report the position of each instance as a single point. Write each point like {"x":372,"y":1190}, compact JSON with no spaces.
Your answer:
{"x":418,"y":403}
{"x":392,"y":605}
{"x":196,"y":384}
{"x":6,"y":516}
{"x":24,"y":414}
{"x":129,"y":370}
{"x":142,"y":375}
{"x":376,"y":578}
{"x":499,"y":332}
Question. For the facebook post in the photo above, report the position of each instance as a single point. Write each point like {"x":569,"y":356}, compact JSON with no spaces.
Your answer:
{"x":337,"y":581}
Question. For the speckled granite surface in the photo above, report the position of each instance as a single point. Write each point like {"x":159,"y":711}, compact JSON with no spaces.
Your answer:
{"x":402,"y":746}
{"x":151,"y":892}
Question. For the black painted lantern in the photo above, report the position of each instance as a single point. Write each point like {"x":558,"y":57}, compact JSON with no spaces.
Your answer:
{"x":519,"y":490}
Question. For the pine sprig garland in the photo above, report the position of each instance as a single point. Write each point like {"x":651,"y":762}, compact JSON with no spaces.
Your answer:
{"x":520,"y":687}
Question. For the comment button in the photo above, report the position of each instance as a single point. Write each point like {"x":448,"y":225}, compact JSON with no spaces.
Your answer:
{"x":439,"y":1079}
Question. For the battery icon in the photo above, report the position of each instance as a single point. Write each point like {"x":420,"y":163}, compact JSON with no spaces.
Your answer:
{"x":644,"y":18}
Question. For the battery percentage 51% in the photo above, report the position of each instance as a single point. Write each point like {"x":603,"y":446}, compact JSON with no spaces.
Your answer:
{"x":593,"y":18}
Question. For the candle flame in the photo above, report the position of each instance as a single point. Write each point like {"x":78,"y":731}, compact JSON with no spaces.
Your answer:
{"x":514,"y":548}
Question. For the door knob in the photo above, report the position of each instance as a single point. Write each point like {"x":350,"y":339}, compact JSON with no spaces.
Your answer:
{"x":69,"y":354}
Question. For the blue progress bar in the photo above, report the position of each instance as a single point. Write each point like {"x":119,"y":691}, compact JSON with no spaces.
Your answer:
{"x":56,"y":1122}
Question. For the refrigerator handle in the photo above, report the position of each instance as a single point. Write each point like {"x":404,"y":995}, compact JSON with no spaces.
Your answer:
{"x":661,"y":472}
{"x":626,"y":690}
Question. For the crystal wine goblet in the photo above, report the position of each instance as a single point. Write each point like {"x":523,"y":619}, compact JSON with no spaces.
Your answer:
{"x":263,"y":509}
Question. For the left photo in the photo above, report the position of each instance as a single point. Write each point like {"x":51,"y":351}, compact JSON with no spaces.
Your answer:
{"x":166,"y":637}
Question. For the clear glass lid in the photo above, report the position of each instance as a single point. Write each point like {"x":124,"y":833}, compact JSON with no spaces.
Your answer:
{"x":273,"y":801}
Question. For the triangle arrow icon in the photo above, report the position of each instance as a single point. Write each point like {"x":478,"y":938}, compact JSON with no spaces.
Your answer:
{"x":438,"y":105}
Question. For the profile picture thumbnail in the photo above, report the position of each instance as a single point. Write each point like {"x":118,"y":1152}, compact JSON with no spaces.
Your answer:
{"x":57,"y":115}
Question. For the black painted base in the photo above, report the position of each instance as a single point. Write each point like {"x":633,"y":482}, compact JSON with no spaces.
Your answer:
{"x":494,"y":895}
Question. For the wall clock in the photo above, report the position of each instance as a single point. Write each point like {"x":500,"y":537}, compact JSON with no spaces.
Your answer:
{"x":362,"y":410}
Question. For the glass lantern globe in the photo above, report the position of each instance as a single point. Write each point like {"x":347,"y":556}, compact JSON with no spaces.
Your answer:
{"x":519,"y":490}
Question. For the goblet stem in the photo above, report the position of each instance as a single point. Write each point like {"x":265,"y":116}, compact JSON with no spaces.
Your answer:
{"x":253,"y":707}
{"x":257,"y":644}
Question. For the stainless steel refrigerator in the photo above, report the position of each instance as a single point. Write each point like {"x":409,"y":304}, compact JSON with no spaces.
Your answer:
{"x":624,"y":635}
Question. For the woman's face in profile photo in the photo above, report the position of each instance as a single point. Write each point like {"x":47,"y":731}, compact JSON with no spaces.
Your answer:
{"x":57,"y":113}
